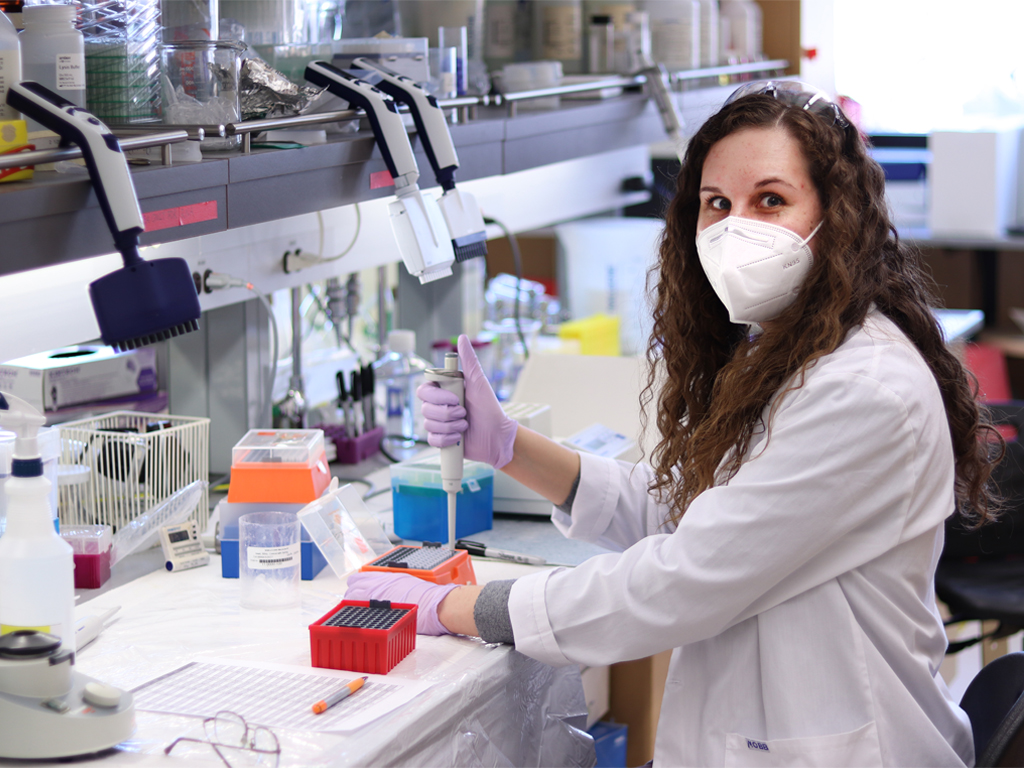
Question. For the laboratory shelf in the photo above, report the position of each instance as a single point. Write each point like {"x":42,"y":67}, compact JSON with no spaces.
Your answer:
{"x":56,"y":218}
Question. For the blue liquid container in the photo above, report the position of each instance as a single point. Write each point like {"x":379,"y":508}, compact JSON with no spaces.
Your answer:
{"x":421,"y":504}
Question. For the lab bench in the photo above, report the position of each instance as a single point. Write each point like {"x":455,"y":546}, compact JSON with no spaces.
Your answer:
{"x":485,"y":704}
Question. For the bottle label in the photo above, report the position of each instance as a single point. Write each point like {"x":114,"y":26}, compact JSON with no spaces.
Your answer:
{"x":501,"y":26}
{"x":272,"y":558}
{"x":70,"y":71}
{"x":9,"y":61}
{"x":562,"y":33}
{"x":396,"y":401}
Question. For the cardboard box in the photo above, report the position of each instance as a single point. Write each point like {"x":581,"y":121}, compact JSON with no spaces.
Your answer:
{"x":596,"y":690}
{"x":75,"y":375}
{"x":636,"y":691}
{"x":973,"y":182}
{"x":539,"y":253}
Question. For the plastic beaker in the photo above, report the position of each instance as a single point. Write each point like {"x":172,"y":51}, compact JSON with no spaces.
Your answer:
{"x":457,"y":38}
{"x":200,"y":86}
{"x":269,"y":559}
{"x":444,"y":72}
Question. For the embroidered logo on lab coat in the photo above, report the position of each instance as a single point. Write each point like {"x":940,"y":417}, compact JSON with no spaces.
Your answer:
{"x":751,"y":744}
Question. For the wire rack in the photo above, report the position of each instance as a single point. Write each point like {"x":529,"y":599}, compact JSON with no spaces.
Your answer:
{"x":126,"y":462}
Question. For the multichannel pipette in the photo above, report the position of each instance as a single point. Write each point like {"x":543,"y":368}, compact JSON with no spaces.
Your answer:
{"x":144,"y":301}
{"x":419,"y":226}
{"x":451,"y":379}
{"x":460,"y":209}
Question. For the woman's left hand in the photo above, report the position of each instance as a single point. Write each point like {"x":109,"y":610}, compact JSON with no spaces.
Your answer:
{"x":403,"y":588}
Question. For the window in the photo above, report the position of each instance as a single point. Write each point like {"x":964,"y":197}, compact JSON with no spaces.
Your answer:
{"x":918,"y":65}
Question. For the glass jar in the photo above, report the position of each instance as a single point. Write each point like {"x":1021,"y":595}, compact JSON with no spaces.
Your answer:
{"x":200,"y":79}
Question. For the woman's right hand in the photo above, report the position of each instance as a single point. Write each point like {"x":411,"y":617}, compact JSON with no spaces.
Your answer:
{"x":489,"y":433}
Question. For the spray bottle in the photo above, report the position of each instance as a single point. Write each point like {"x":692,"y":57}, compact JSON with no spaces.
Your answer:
{"x":37,"y":581}
{"x":451,"y":378}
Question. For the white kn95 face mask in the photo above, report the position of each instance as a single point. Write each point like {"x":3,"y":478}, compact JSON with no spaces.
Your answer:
{"x":756,"y":268}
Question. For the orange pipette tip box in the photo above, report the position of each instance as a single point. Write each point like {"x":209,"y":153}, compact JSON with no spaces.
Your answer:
{"x":282,"y":466}
{"x":279,"y":484}
{"x":363,"y":636}
{"x":430,"y":562}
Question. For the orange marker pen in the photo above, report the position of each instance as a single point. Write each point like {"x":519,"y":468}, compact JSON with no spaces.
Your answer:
{"x":349,"y":688}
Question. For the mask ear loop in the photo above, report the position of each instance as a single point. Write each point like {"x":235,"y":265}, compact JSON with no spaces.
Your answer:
{"x":807,"y":239}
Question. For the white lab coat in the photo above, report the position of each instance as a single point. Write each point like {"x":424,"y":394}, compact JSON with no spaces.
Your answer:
{"x":798,"y":597}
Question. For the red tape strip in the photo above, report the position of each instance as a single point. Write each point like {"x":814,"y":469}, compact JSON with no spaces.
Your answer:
{"x":381,"y":179}
{"x":180,"y":216}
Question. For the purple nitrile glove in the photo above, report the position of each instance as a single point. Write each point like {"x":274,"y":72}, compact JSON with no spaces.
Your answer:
{"x":489,"y":433}
{"x":403,"y":588}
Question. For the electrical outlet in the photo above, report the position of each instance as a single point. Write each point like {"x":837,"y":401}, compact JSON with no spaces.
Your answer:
{"x":294,"y":261}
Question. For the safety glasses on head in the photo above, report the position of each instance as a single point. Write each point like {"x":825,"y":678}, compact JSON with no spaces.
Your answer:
{"x":796,"y":94}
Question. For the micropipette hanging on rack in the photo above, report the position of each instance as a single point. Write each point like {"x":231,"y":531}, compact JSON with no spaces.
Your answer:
{"x":451,"y":379}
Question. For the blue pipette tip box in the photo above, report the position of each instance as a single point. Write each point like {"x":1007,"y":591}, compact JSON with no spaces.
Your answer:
{"x":421,"y":504}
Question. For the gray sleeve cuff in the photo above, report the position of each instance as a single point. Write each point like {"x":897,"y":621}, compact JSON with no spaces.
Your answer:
{"x":491,"y":612}
{"x":566,"y":506}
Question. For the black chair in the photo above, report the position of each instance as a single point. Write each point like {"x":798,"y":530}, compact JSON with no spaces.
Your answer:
{"x":995,"y":704}
{"x":981,"y":574}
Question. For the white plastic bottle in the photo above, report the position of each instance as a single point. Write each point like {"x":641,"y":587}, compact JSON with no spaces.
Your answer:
{"x":53,"y":52}
{"x":37,"y":581}
{"x":558,"y":33}
{"x":675,"y":32}
{"x":745,"y":23}
{"x":710,"y":48}
{"x":397,"y":375}
{"x":10,"y":65}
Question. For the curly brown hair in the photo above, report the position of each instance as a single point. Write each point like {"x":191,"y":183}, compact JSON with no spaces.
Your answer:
{"x":714,"y":382}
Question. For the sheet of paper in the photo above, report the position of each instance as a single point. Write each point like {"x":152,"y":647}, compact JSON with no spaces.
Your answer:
{"x":274,"y":695}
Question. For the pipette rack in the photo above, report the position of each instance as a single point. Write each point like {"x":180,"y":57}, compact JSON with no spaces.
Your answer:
{"x":431,"y":562}
{"x":363,"y":636}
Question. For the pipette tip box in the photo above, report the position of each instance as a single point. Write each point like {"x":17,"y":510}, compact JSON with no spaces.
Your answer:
{"x":363,"y":636}
{"x":279,"y":466}
{"x":311,"y":558}
{"x":421,"y":503}
{"x":431,"y":562}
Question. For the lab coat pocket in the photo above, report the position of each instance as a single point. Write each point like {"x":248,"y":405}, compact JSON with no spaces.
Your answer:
{"x":853,"y":748}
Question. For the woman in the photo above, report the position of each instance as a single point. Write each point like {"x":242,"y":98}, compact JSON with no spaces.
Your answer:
{"x":815,"y":434}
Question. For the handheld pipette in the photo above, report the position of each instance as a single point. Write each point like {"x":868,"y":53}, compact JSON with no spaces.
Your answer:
{"x":420,"y":230}
{"x":450,"y":378}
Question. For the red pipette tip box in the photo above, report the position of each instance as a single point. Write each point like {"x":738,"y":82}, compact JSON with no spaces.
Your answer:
{"x":363,"y":636}
{"x":431,"y":562}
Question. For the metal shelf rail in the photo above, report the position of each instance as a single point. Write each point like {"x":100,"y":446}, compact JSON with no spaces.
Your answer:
{"x":141,"y":136}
